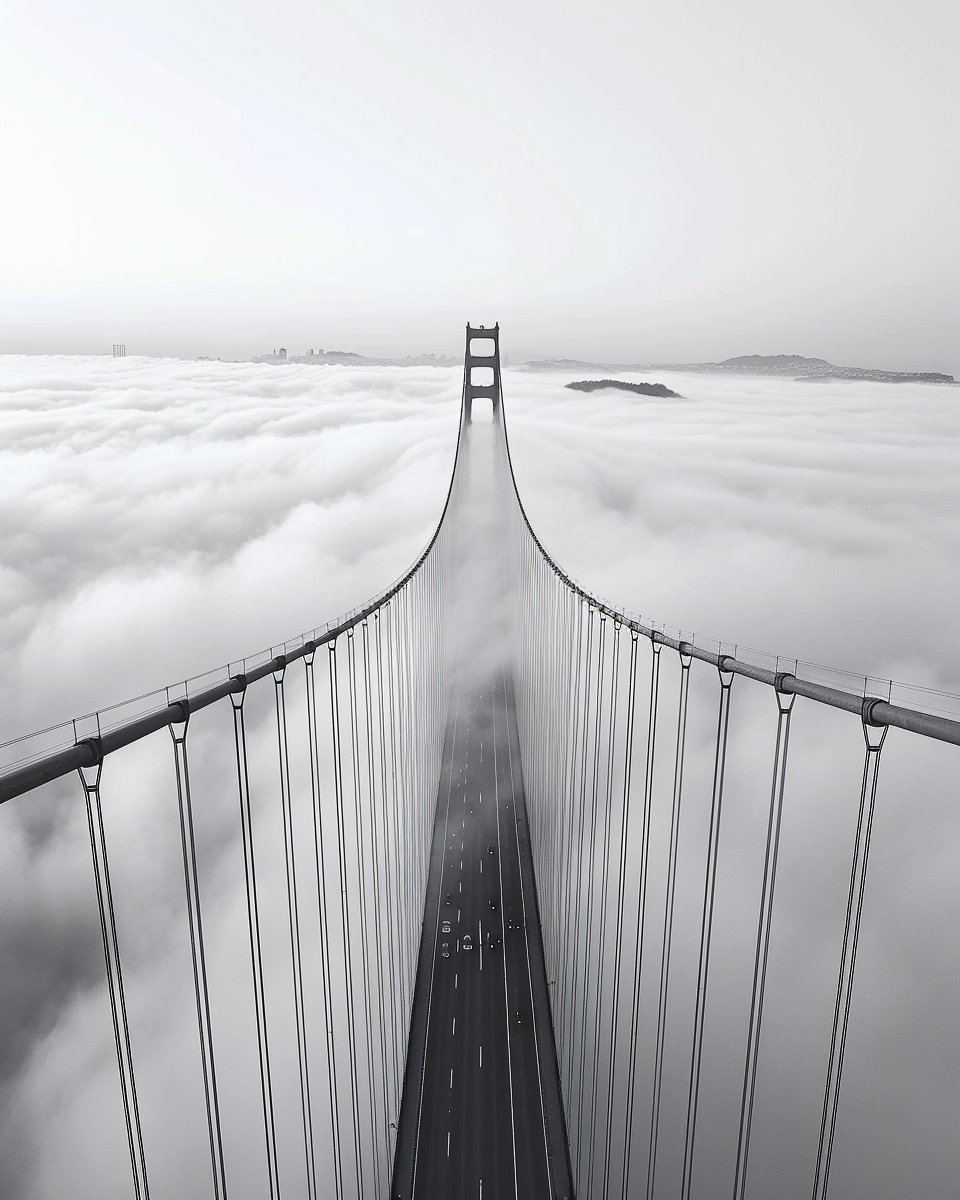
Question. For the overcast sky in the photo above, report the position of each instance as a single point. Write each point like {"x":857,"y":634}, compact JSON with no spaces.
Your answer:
{"x":639,"y":181}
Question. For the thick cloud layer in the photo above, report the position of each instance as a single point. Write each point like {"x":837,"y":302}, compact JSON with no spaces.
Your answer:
{"x":163,"y":517}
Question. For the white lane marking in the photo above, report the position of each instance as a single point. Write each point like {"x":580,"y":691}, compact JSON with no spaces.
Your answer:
{"x":458,"y":914}
{"x":455,"y":980}
{"x":451,"y":1071}
{"x":461,"y":885}
{"x":480,"y":943}
{"x":454,"y":1034}
{"x":481,"y":1059}
{"x":481,"y":866}
{"x":448,"y":1143}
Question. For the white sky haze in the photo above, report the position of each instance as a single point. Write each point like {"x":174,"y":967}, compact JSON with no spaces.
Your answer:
{"x":632,"y":182}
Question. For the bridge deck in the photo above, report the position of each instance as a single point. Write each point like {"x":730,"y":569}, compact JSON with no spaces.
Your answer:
{"x":481,"y":1112}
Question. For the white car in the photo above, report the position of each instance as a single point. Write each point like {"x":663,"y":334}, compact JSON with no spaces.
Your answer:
{"x":445,"y":927}
{"x":445,"y":950}
{"x":468,"y":942}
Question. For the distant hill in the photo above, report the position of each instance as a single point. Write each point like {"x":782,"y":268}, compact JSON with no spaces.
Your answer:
{"x":642,"y":389}
{"x":792,"y":366}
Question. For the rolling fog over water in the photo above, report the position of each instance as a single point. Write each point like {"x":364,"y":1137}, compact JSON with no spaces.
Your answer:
{"x":162,"y":517}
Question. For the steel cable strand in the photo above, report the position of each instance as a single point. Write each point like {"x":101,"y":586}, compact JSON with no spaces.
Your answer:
{"x":90,"y":781}
{"x":576,"y":874}
{"x":345,"y":923}
{"x":400,"y":826}
{"x":764,"y":925}
{"x":706,"y":933}
{"x":666,"y":947}
{"x":402,"y":815}
{"x":323,"y":923}
{"x":362,"y":905}
{"x":546,"y":875}
{"x":409,"y":856}
{"x":874,"y":738}
{"x":198,"y":957}
{"x":563,"y":941}
{"x":550,"y":789}
{"x":389,"y":845}
{"x":255,"y":942}
{"x":582,"y":1151}
{"x":377,"y":885}
{"x":614,"y":1029}
{"x":649,"y":764}
{"x":560,"y":806}
{"x":293,"y":923}
{"x":571,"y":790}
{"x":612,"y":704}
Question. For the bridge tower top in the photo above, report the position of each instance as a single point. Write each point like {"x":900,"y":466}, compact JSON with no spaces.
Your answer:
{"x":481,"y":369}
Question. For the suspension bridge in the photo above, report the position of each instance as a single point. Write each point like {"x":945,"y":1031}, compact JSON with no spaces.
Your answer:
{"x":503,"y":972}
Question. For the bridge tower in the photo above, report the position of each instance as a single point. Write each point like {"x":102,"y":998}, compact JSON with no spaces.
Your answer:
{"x":481,"y":371}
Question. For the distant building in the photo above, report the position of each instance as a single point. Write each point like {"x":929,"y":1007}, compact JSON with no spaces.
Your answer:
{"x":119,"y":350}
{"x":283,"y":353}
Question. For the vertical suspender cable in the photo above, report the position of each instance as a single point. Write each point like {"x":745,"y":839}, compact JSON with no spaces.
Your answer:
{"x":591,"y":891}
{"x":324,"y":923}
{"x":363,"y":902}
{"x":621,"y":895}
{"x":566,"y":873}
{"x":706,"y":932}
{"x":785,"y":708}
{"x":256,"y":952}
{"x":375,"y":803}
{"x":389,"y":848}
{"x":666,"y":948}
{"x":641,"y":921}
{"x":873,"y":737}
{"x":601,"y":966}
{"x":577,"y":873}
{"x":191,"y":882}
{"x":90,"y":779}
{"x":293,"y":920}
{"x":345,"y":911}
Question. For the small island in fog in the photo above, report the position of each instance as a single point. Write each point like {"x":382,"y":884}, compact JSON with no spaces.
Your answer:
{"x":642,"y":389}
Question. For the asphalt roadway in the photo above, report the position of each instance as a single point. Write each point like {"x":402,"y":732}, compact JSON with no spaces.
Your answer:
{"x":481,"y":1116}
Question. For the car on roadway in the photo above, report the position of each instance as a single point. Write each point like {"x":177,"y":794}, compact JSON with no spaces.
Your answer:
{"x":445,"y":927}
{"x":467,"y":942}
{"x":445,"y":949}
